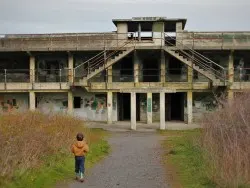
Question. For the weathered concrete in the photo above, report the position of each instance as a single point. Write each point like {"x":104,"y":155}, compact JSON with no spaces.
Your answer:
{"x":135,"y":162}
{"x":231,"y":67}
{"x":162,"y":111}
{"x":133,"y":110}
{"x":71,"y":68}
{"x":70,"y":102}
{"x":136,"y":67}
{"x":149,"y":108}
{"x":110,"y":106}
{"x":163,"y":66}
{"x":32,"y":100}
{"x":190,"y":106}
{"x":32,"y":69}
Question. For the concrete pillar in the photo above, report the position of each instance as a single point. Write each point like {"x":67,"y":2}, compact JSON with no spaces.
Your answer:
{"x":136,"y":67}
{"x":162,"y":111}
{"x":70,"y":102}
{"x":32,"y":69}
{"x":179,"y":30}
{"x":230,"y":96}
{"x":190,"y":75}
{"x":163,"y":67}
{"x":190,"y":106}
{"x":139,"y":31}
{"x":110,"y":74}
{"x":133,"y":110}
{"x":149,"y":108}
{"x":71,"y":68}
{"x":110,"y":106}
{"x":32,"y":101}
{"x":231,"y":67}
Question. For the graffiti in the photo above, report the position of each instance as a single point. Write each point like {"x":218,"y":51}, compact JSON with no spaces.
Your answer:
{"x":8,"y":105}
{"x":96,"y":103}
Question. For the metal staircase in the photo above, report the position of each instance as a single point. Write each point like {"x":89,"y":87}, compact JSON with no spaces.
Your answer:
{"x":214,"y":72}
{"x":101,"y":61}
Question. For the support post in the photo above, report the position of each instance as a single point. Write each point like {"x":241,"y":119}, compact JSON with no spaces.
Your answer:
{"x":162,"y":111}
{"x":110,"y":106}
{"x":163,"y":67}
{"x":70,"y":102}
{"x":231,"y":67}
{"x":32,"y":101}
{"x":71,"y":68}
{"x":32,"y":69}
{"x":110,"y":74}
{"x":139,"y":31}
{"x":133,"y":110}
{"x":230,"y":96}
{"x":190,"y":75}
{"x":136,"y":67}
{"x":149,"y":109}
{"x":190,"y":106}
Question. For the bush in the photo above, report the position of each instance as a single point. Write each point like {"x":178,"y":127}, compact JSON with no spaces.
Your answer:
{"x":226,"y":142}
{"x":27,"y":138}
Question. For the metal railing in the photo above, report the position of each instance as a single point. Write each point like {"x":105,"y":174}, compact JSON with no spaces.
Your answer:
{"x":242,"y":74}
{"x":14,"y":75}
{"x":52,"y":75}
{"x":199,"y":60}
{"x":85,"y":68}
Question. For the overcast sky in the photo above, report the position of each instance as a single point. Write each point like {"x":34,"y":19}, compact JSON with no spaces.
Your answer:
{"x":44,"y":16}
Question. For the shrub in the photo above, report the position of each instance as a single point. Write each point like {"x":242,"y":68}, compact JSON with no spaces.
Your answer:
{"x":226,"y":142}
{"x":27,"y":138}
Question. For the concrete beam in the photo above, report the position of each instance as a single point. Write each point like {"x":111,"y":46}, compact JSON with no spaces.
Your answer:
{"x":190,"y":106}
{"x":162,"y":111}
{"x":110,"y":106}
{"x":70,"y":103}
{"x":32,"y":101}
{"x":149,"y":108}
{"x":133,"y":110}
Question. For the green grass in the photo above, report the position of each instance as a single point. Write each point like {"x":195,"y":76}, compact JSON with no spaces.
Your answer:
{"x":185,"y":155}
{"x":59,"y":167}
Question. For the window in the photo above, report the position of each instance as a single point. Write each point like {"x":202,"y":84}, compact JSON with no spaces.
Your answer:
{"x":77,"y":102}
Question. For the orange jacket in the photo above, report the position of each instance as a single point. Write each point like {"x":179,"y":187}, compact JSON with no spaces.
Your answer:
{"x":80,"y":148}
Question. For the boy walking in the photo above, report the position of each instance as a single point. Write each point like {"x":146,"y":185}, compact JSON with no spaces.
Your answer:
{"x":80,"y":148}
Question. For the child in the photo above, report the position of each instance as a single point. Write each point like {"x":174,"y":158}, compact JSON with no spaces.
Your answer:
{"x":80,"y":148}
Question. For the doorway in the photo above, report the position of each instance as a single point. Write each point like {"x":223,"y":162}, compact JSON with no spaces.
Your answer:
{"x":124,"y":106}
{"x":174,"y":106}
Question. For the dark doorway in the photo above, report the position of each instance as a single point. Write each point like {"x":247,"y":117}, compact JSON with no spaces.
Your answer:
{"x":77,"y":102}
{"x":138,"y":114}
{"x":124,"y":106}
{"x":174,"y":106}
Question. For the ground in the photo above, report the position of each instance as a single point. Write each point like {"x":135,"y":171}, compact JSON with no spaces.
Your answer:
{"x":135,"y":162}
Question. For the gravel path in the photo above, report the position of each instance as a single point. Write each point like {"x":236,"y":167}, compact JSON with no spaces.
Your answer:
{"x":135,"y":162}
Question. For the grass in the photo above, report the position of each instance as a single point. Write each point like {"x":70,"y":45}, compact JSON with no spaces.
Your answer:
{"x":60,"y":167}
{"x":185,"y":160}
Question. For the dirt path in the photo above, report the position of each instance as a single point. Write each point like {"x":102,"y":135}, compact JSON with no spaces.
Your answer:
{"x":135,"y":162}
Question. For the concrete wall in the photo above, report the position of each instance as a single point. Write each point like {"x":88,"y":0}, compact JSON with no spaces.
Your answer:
{"x":52,"y":102}
{"x":10,"y":102}
{"x":94,"y":106}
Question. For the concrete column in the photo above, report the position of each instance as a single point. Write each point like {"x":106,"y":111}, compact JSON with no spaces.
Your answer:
{"x":190,"y":75}
{"x":162,"y":111}
{"x":71,"y":68}
{"x":110,"y":74}
{"x":149,"y":108}
{"x":32,"y":69}
{"x":163,"y":67}
{"x":230,"y":96}
{"x":133,"y":110}
{"x":139,"y":31}
{"x":179,"y":30}
{"x":136,"y":67}
{"x":70,"y":102}
{"x":32,"y":101}
{"x":190,"y":106}
{"x":110,"y":106}
{"x":231,"y":67}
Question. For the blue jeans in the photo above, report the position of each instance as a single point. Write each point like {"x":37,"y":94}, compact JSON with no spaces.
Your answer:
{"x":79,"y":164}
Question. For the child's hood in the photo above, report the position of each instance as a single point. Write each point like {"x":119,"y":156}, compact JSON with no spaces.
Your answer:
{"x":80,"y":144}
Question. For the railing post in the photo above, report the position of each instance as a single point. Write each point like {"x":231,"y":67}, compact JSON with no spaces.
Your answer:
{"x":5,"y":75}
{"x":240,"y":74}
{"x":88,"y":68}
{"x":60,"y":75}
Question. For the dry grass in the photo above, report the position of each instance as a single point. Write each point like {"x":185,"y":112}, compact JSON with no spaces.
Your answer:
{"x":226,"y":142}
{"x":27,"y":138}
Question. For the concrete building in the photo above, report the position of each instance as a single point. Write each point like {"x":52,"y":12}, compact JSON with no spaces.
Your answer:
{"x":150,"y":69}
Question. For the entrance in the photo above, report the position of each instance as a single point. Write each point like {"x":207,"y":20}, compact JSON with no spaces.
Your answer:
{"x":174,"y":106}
{"x":124,"y":106}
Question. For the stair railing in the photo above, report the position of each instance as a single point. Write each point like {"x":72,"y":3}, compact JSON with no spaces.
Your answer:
{"x":100,"y":59}
{"x":198,"y":59}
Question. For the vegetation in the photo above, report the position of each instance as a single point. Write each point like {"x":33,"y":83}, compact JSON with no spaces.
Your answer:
{"x":217,"y":155}
{"x":35,"y":148}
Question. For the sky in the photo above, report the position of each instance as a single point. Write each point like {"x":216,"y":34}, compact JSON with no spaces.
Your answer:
{"x":51,"y":16}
